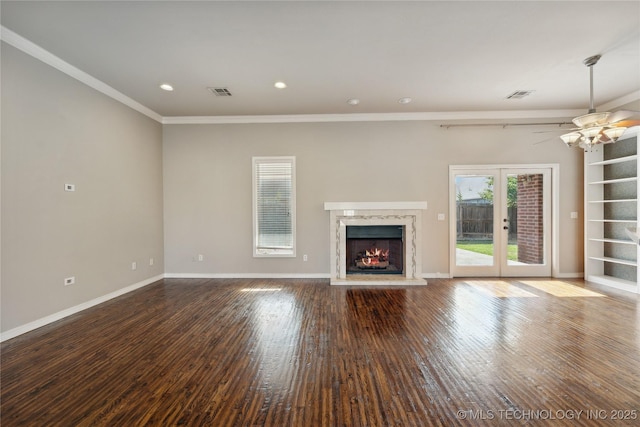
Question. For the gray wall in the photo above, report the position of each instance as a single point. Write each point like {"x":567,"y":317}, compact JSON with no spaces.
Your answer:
{"x":56,"y":130}
{"x":207,"y":186}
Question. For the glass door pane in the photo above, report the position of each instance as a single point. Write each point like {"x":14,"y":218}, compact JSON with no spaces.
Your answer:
{"x":474,"y":210}
{"x":525,"y":222}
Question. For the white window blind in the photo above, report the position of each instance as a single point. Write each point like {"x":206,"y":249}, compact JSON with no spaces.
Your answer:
{"x":274,"y":206}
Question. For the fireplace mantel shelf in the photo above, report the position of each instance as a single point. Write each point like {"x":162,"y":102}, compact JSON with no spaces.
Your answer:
{"x":338,"y":206}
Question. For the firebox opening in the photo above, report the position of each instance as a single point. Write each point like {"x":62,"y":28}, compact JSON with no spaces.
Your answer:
{"x":375,"y":249}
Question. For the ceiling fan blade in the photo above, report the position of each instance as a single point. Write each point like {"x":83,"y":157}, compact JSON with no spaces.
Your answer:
{"x":621,"y":115}
{"x":559,"y":131}
{"x":626,"y":123}
{"x":546,"y":140}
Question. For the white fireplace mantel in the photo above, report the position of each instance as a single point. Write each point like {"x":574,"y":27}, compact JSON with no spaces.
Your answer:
{"x":338,"y":206}
{"x":405,"y":214}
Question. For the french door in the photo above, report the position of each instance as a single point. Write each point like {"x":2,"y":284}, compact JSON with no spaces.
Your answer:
{"x":500,"y":221}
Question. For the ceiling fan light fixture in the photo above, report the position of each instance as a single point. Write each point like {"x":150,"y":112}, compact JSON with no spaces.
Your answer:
{"x":591,"y":119}
{"x":571,"y":139}
{"x":591,"y":132}
{"x":614,"y":133}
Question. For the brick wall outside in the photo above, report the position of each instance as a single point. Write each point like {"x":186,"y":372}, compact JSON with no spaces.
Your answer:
{"x":530,"y":227}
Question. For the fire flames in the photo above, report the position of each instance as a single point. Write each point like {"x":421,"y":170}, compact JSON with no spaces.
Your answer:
{"x":374,"y":257}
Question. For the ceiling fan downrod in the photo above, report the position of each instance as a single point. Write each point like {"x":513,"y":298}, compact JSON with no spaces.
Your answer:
{"x":590,"y":62}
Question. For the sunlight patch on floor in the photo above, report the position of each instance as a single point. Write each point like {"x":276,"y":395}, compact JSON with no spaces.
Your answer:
{"x":499,"y":289}
{"x":559,"y":288}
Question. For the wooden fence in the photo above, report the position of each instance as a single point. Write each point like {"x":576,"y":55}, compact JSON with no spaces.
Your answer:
{"x":475,"y":222}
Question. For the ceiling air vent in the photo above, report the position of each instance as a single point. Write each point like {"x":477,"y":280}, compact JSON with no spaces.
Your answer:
{"x":219,"y":91}
{"x":519,"y":94}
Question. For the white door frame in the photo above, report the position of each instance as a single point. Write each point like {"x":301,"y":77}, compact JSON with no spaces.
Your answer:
{"x":487,"y":169}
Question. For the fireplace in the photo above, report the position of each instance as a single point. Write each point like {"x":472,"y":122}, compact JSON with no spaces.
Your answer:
{"x":396,"y":240}
{"x":374,"y":249}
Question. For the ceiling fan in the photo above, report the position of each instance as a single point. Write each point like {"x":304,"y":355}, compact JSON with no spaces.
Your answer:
{"x":597,"y":128}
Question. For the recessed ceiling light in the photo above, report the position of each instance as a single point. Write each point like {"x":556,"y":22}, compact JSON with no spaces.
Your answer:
{"x":404,"y":100}
{"x":353,"y":101}
{"x":166,"y":86}
{"x":280,"y":85}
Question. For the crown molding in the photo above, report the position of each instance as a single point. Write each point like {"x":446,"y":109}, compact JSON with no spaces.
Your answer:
{"x":619,"y":102}
{"x":48,"y":58}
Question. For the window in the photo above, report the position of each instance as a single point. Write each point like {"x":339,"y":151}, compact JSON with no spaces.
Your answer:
{"x":274,"y":206}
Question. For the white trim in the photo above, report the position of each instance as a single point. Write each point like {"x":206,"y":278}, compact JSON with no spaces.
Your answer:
{"x":338,"y":206}
{"x":436,"y":276}
{"x":507,"y":166}
{"x":12,"y":333}
{"x":48,"y":58}
{"x":568,"y":276}
{"x":555,"y":220}
{"x":623,"y":100}
{"x":247,"y":275}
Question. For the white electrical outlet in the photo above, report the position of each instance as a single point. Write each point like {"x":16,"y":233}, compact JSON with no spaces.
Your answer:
{"x":440,"y":217}
{"x":200,"y":257}
{"x":150,"y":261}
{"x":69,"y":281}
{"x":134,"y":265}
{"x":574,"y":215}
{"x":305,"y":257}
{"x":69,"y":187}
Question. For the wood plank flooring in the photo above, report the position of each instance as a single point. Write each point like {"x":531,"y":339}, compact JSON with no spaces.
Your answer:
{"x":199,"y":352}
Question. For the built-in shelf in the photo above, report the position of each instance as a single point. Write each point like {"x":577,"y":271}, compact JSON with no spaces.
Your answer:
{"x":615,"y":160}
{"x":615,"y":181}
{"x":607,"y":240}
{"x":625,"y":221}
{"x":615,"y":201}
{"x":612,"y":192}
{"x":615,"y":260}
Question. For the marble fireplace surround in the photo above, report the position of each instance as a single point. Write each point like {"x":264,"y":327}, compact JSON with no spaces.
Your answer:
{"x":406,"y":214}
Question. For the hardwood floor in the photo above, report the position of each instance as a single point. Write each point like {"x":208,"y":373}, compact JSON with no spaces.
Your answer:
{"x":303,"y":353}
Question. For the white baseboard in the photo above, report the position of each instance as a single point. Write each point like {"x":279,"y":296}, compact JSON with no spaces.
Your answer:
{"x":436,"y":275}
{"x":557,"y":276}
{"x":247,"y":275}
{"x":274,"y":276}
{"x":12,"y":333}
{"x":569,"y":276}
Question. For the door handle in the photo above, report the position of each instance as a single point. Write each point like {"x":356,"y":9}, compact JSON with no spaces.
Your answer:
{"x":505,"y":228}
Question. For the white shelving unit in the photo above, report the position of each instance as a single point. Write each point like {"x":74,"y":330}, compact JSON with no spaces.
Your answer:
{"x":611,"y":207}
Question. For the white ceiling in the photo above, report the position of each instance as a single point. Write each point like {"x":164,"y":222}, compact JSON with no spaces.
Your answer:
{"x":451,"y":56}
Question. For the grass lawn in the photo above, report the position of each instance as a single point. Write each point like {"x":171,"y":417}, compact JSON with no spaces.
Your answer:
{"x":486,"y":248}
